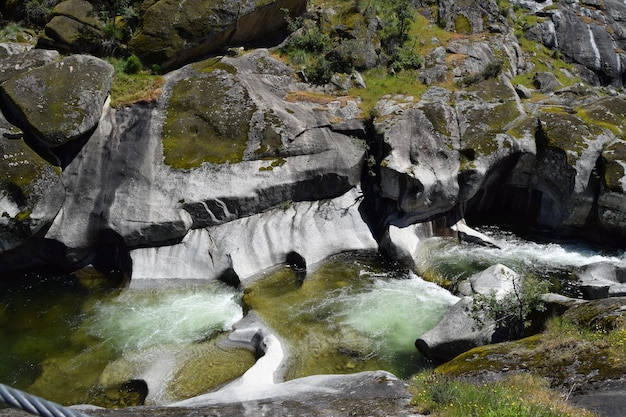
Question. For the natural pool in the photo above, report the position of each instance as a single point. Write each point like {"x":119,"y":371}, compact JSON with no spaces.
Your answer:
{"x":75,"y":343}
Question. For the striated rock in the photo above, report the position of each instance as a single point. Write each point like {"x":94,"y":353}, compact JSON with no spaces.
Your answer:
{"x":59,"y":102}
{"x":313,"y":230}
{"x":171,"y":36}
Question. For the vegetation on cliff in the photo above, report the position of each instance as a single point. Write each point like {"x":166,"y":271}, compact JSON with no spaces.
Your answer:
{"x":387,"y":48}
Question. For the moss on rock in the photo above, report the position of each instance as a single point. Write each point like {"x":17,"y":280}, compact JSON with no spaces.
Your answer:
{"x":586,"y":345}
{"x":566,"y":131}
{"x":61,"y":101}
{"x":30,"y":193}
{"x":207,"y":118}
{"x":614,"y":173}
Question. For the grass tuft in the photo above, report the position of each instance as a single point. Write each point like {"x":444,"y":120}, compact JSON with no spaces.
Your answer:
{"x":127,"y":89}
{"x":517,"y":395}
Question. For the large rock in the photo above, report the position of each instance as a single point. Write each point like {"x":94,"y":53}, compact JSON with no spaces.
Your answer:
{"x":440,"y":156}
{"x":59,"y":102}
{"x":456,"y":333}
{"x":497,"y":279}
{"x":462,"y":329}
{"x":31,"y":192}
{"x":602,"y":279}
{"x":18,"y":63}
{"x":194,"y":169}
{"x":588,"y":33}
{"x":421,"y":170}
{"x":171,"y":35}
{"x":74,"y":27}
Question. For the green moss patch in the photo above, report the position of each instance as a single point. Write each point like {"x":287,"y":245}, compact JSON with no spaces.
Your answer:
{"x":565,"y":131}
{"x":207,"y":119}
{"x":614,"y":169}
{"x":609,"y":113}
{"x":587,"y":344}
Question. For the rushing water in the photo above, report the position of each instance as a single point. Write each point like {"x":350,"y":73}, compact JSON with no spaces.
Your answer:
{"x":350,"y":315}
{"x":445,"y":260}
{"x":72,"y":344}
{"x":66,"y":344}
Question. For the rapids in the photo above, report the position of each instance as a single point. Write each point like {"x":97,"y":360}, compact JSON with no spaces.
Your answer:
{"x":72,"y":344}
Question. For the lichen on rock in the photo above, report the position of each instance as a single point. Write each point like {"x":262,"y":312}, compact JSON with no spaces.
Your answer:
{"x":31,"y":193}
{"x":61,"y":101}
{"x":208,"y":118}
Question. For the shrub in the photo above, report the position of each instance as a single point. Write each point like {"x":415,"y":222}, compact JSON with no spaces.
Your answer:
{"x":319,"y":71}
{"x":512,"y":311}
{"x":492,"y":70}
{"x":133,"y":65}
{"x":406,"y":58}
{"x":37,"y":12}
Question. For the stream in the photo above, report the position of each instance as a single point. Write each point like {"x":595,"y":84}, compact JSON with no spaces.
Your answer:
{"x":73,"y":344}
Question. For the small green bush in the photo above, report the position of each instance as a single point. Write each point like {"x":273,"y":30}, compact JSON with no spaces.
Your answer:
{"x":133,"y":65}
{"x":406,"y":58}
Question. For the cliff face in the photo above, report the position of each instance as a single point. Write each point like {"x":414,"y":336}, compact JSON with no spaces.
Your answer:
{"x":238,"y":164}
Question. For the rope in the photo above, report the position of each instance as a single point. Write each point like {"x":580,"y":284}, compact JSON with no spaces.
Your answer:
{"x":35,"y":405}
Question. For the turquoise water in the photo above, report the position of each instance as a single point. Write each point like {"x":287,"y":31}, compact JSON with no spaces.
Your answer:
{"x":72,"y":343}
{"x":57,"y":338}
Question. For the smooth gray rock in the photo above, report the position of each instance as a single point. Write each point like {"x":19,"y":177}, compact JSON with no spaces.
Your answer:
{"x":497,"y":279}
{"x":456,"y":333}
{"x":602,"y":279}
{"x":546,"y":82}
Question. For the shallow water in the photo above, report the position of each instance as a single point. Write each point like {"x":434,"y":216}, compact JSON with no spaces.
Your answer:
{"x":57,"y":339}
{"x":71,"y":343}
{"x":350,"y":315}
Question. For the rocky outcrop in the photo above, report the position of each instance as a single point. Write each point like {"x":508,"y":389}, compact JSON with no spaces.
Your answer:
{"x":467,"y":17}
{"x":587,"y":32}
{"x":59,"y":102}
{"x":278,"y":149}
{"x":171,"y":36}
{"x":74,"y":27}
{"x":31,"y":193}
{"x":461,"y":329}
